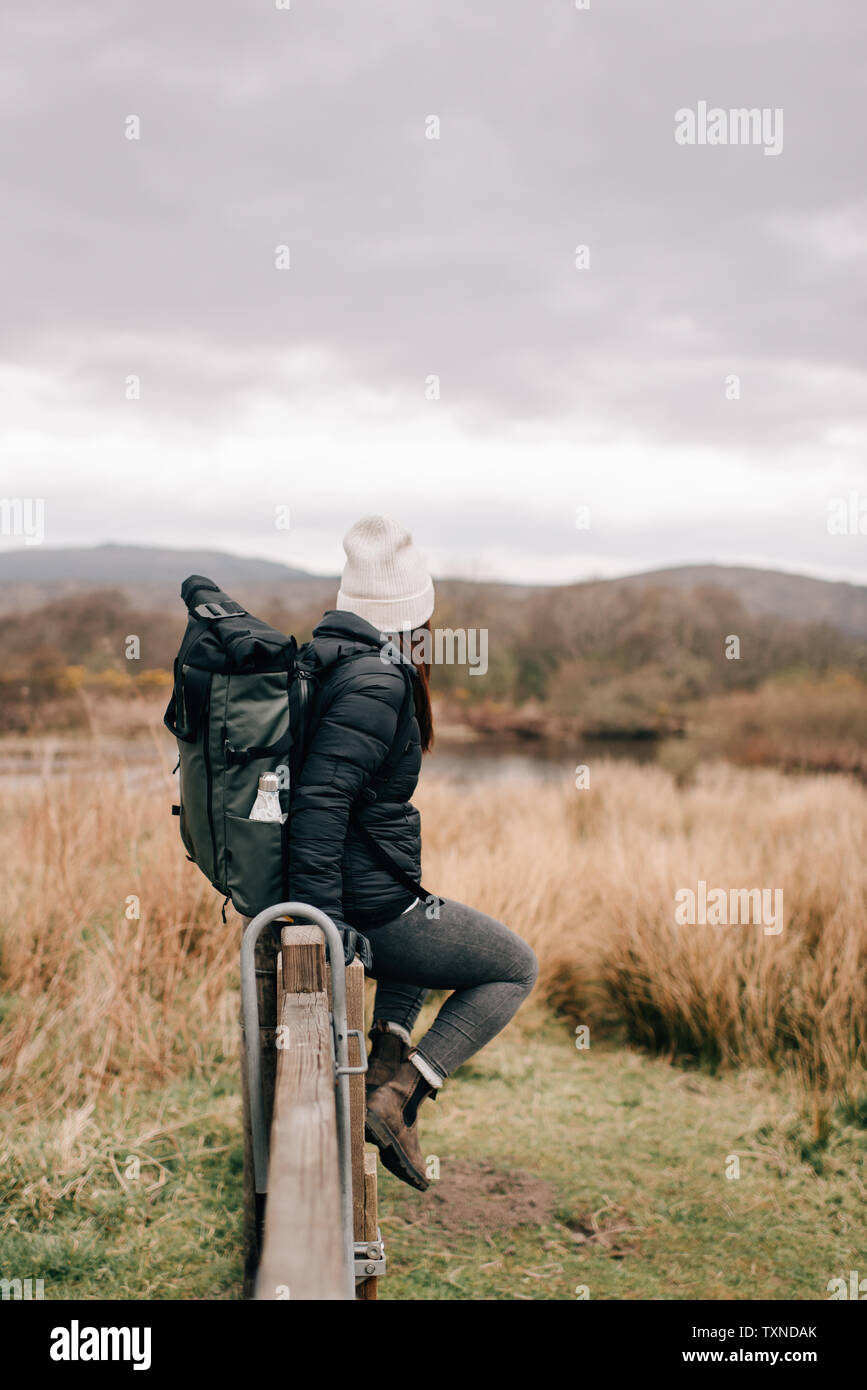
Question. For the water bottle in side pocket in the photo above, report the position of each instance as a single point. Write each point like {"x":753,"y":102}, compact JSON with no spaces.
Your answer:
{"x":267,"y":803}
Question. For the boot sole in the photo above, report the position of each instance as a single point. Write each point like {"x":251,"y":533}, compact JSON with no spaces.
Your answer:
{"x":392,"y":1156}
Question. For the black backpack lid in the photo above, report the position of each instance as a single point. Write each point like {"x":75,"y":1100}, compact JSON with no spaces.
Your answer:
{"x":226,"y":636}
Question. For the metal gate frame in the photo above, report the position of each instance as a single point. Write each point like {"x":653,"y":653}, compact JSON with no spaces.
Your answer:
{"x":340,"y":1035}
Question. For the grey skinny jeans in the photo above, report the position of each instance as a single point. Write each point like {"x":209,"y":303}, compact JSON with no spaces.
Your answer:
{"x":490,"y":969}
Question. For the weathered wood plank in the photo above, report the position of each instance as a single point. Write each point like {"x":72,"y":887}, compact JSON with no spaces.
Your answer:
{"x":303,"y":959}
{"x":298,"y":1217}
{"x":371,"y":1218}
{"x":302,"y":1256}
{"x":367,"y":1290}
{"x":305,"y":968}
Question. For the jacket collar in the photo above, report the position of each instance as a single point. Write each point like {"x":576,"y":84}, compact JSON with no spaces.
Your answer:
{"x":347,"y":627}
{"x":341,"y":633}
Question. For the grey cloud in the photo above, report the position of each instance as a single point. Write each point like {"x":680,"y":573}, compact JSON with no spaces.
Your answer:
{"x":453,"y":256}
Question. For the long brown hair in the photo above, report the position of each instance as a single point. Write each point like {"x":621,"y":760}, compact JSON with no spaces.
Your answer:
{"x":421,"y":687}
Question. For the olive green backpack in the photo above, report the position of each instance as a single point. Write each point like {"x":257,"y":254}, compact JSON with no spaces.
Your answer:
{"x":238,"y":709}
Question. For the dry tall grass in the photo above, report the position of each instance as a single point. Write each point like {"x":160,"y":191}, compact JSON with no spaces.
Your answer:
{"x":590,"y":877}
{"x":812,"y":724}
{"x":97,"y":1000}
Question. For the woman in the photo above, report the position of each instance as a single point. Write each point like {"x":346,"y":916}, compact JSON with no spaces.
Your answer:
{"x":355,"y":843}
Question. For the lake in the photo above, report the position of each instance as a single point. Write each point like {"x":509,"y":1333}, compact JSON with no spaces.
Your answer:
{"x":495,"y":759}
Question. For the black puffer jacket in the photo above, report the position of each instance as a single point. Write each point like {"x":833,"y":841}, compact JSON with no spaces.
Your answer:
{"x":355,"y":722}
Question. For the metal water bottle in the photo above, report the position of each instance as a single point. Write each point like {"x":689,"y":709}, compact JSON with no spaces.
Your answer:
{"x":267,"y":803}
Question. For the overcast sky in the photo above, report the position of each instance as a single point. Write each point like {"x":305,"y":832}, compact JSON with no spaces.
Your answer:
{"x":410,"y":258}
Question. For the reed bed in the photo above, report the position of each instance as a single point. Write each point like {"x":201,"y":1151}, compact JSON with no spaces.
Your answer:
{"x":117,"y":972}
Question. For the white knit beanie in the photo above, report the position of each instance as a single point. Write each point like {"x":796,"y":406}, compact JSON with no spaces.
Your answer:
{"x":385,"y":579}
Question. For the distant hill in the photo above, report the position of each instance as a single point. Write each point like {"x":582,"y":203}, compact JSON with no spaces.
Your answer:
{"x":770,"y":593}
{"x":102,"y":566}
{"x":150,"y":576}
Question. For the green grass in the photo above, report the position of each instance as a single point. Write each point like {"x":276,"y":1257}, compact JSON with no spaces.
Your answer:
{"x":641,"y":1144}
{"x":78,"y":1212}
{"x":644,"y":1146}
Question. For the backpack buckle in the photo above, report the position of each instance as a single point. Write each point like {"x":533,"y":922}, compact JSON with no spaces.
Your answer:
{"x":369,"y":794}
{"x":219,"y":610}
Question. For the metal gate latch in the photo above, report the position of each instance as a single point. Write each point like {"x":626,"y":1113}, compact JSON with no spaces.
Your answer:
{"x":354,"y":1071}
{"x":370,"y":1257}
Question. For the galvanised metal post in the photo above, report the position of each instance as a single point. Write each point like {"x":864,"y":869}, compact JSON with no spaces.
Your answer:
{"x":342,"y":1070}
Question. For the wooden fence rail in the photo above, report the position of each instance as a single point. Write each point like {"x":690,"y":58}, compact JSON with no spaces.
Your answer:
{"x":297,"y":1251}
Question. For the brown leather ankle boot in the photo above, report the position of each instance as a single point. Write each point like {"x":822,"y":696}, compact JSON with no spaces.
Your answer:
{"x":392,"y":1123}
{"x":387,"y":1052}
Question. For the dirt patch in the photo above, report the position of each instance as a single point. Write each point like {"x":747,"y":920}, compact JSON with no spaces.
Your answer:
{"x":470,"y":1197}
{"x":610,"y":1228}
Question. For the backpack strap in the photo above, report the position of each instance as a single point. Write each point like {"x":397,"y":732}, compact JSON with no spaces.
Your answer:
{"x":209,"y":610}
{"x":391,"y":865}
{"x":240,"y":757}
{"x":196,"y":694}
